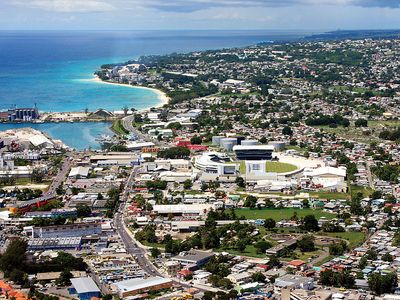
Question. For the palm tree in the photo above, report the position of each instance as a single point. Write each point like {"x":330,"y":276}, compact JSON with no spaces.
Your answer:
{"x":125,"y":109}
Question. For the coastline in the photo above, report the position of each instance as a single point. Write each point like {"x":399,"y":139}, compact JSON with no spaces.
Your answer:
{"x":164,"y":99}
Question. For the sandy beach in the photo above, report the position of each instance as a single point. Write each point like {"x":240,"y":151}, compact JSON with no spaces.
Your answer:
{"x":164,"y":99}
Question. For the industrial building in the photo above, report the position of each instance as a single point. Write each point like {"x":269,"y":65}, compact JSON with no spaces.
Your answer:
{"x":85,"y":288}
{"x":253,"y":152}
{"x":23,"y":114}
{"x":193,"y":258}
{"x":66,"y":243}
{"x":67,"y":230}
{"x":136,"y":286}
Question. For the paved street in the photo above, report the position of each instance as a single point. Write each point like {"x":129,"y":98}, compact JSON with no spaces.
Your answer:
{"x":132,"y":246}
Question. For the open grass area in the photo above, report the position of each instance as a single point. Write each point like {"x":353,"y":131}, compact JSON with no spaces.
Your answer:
{"x":329,"y":195}
{"x":118,"y":128}
{"x":366,"y":191}
{"x":279,"y":167}
{"x":383,"y":123}
{"x":249,"y":251}
{"x":355,"y":238}
{"x":281,"y":214}
{"x":272,"y":166}
{"x":304,"y":256}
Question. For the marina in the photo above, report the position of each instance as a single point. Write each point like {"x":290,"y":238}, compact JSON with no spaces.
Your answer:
{"x":79,"y":136}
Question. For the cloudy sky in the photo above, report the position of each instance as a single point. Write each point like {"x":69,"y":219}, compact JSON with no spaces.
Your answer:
{"x":200,"y":14}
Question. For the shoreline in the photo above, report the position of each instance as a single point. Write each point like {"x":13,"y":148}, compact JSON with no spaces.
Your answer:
{"x":164,"y":99}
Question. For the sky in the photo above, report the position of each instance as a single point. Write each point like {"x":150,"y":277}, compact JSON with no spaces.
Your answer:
{"x":199,"y":14}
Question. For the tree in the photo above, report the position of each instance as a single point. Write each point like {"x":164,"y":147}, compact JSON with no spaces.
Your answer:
{"x":125,"y":109}
{"x":269,"y":223}
{"x":287,"y":131}
{"x":241,"y":245}
{"x":380,"y":284}
{"x":310,"y":223}
{"x":14,"y":256}
{"x":274,"y":261}
{"x":187,"y":184}
{"x":155,"y":252}
{"x":371,"y":254}
{"x":83,"y":211}
{"x":250,"y":201}
{"x":65,"y":278}
{"x":37,"y":176}
{"x":362,"y":263}
{"x":306,"y":244}
{"x":258,"y":277}
{"x":196,"y":140}
{"x":240,"y":182}
{"x":18,"y":276}
{"x":174,"y":153}
{"x":338,"y":279}
{"x":387,"y":257}
{"x":361,"y":123}
{"x":338,"y":248}
{"x":262,"y":246}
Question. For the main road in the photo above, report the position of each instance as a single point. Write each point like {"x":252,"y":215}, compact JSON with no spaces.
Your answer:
{"x":127,"y":123}
{"x":132,"y":246}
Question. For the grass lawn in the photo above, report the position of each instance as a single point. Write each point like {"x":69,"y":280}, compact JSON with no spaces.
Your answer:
{"x":304,"y":256}
{"x":279,"y":167}
{"x":329,"y":195}
{"x":386,"y":123}
{"x":366,"y":191}
{"x":118,"y":128}
{"x":249,"y":251}
{"x":281,"y":214}
{"x":272,"y":166}
{"x":355,"y":238}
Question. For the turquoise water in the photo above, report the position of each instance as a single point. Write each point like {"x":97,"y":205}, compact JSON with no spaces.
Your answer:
{"x":76,"y":135}
{"x":54,"y":69}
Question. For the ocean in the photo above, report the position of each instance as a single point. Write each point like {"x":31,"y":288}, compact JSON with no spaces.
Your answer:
{"x":54,"y":69}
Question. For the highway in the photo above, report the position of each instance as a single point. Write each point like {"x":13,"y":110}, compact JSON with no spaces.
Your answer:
{"x":57,"y":181}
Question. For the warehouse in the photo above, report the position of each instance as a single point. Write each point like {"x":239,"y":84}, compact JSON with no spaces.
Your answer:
{"x":136,"y":286}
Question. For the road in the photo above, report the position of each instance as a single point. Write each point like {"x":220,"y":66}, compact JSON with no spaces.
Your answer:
{"x":57,"y":181}
{"x":127,"y":123}
{"x":132,"y":246}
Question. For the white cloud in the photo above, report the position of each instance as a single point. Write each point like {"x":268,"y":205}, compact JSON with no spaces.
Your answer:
{"x":77,"y":6}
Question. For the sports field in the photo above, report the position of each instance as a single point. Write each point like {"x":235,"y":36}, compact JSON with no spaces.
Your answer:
{"x":272,"y":166}
{"x":279,"y":167}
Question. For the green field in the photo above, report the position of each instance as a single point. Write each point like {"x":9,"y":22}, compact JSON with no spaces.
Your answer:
{"x":118,"y":128}
{"x":279,"y":167}
{"x":272,"y":166}
{"x":281,"y":214}
{"x":355,"y":238}
{"x":249,"y":251}
{"x":329,"y":195}
{"x":366,"y":191}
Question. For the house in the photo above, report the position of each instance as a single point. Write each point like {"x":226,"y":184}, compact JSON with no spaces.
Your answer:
{"x":239,"y":278}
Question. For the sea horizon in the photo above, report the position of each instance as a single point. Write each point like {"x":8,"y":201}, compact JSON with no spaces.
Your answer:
{"x":52,"y":69}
